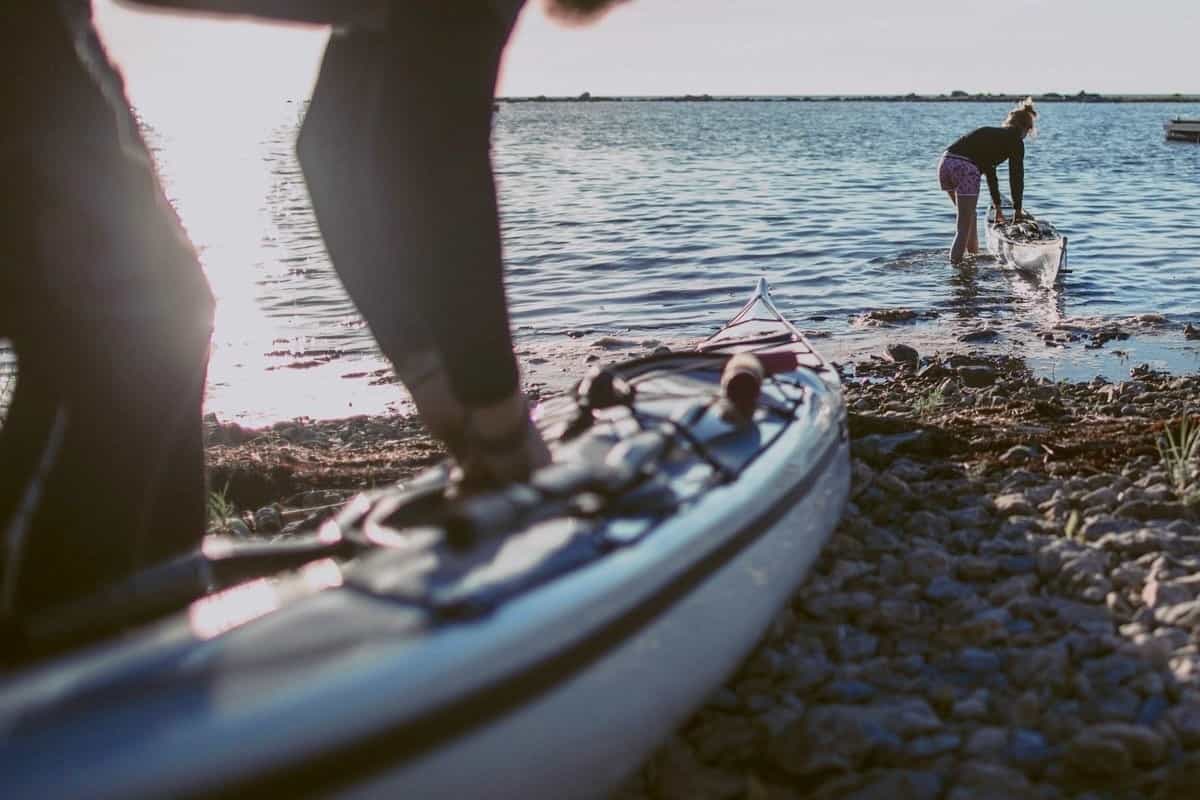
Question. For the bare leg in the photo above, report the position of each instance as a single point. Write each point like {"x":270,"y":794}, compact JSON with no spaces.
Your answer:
{"x":973,"y":241}
{"x":965,"y":227}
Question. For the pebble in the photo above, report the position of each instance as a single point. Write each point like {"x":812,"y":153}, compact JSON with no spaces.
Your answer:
{"x":993,"y":619}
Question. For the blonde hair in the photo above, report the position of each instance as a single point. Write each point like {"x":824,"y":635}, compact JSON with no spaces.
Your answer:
{"x":1023,"y":116}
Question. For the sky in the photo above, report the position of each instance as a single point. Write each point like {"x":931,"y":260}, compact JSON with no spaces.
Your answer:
{"x":724,"y":47}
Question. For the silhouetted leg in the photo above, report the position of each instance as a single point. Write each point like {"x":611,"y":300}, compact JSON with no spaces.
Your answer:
{"x":395,"y":149}
{"x":111,"y":330}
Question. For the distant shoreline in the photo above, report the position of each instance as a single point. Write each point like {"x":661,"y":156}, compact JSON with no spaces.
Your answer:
{"x":953,"y":97}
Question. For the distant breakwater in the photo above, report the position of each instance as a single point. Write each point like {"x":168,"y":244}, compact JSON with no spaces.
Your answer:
{"x":952,"y":97}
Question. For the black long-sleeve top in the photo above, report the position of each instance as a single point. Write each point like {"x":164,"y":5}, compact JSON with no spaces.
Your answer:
{"x":988,"y":147}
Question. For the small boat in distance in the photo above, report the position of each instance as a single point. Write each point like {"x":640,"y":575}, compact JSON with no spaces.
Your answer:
{"x":1182,"y":130}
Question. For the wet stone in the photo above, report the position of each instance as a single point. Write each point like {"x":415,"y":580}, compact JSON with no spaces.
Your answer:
{"x":976,"y":661}
{"x":1028,"y":749}
{"x":1092,"y":753}
{"x":903,"y":354}
{"x":934,"y":745}
{"x":926,"y":563}
{"x":1013,"y":505}
{"x":974,"y":707}
{"x":1019,"y":454}
{"x":847,"y":692}
{"x":899,"y":784}
{"x":852,"y":644}
{"x":983,"y":780}
{"x":832,"y":738}
{"x":947,"y":590}
{"x":977,"y":376}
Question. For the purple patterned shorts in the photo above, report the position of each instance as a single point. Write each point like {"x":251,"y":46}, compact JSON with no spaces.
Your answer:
{"x":958,"y":174}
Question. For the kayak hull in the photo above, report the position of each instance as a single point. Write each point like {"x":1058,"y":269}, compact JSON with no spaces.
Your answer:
{"x":597,"y":728}
{"x":1040,"y":261}
{"x":337,"y":679}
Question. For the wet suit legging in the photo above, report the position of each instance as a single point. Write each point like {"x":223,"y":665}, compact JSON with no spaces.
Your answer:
{"x":395,"y":150}
{"x":108,"y":312}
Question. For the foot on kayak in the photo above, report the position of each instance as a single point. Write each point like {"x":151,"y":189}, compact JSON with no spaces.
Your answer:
{"x":502,"y":444}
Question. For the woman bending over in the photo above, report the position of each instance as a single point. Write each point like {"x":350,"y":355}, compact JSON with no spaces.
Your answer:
{"x":978,"y":153}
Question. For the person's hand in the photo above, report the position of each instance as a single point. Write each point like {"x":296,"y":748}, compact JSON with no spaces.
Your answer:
{"x":1019,"y":215}
{"x":1000,"y":220}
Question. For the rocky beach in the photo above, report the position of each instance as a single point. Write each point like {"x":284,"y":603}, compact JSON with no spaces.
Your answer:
{"x":1008,"y":608}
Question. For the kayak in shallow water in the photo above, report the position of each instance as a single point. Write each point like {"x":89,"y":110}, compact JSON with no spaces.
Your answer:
{"x":537,"y":640}
{"x":1031,"y":246}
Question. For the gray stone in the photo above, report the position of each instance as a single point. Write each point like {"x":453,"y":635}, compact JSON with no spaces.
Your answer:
{"x":1109,"y":705}
{"x":1019,"y":454}
{"x":979,"y":662}
{"x":1045,"y":666}
{"x":894,"y":612}
{"x":831,"y":738}
{"x":1181,"y":615}
{"x":927,"y":523}
{"x":977,"y":376}
{"x":1153,"y":709}
{"x":988,"y":743}
{"x":1013,"y":505}
{"x":852,"y":644}
{"x":902,"y":354}
{"x":975,"y":516}
{"x":1103,"y":498}
{"x":973,"y":707}
{"x":1113,"y":670}
{"x":1146,"y":747}
{"x":908,"y":717}
{"x":926,"y":563}
{"x":1098,"y":526}
{"x":1028,"y":749}
{"x":899,"y":784}
{"x":1158,"y":594}
{"x":983,"y":780}
{"x":1148,"y":510}
{"x":847,"y":691}
{"x":1092,"y":753}
{"x":806,"y":671}
{"x":947,"y":590}
{"x":976,"y":568}
{"x":1185,"y":720}
{"x":934,"y":745}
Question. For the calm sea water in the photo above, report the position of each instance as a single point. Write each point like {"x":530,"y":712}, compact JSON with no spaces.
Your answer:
{"x":653,"y":219}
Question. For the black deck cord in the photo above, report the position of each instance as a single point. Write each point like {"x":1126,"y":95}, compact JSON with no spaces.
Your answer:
{"x":171,"y":585}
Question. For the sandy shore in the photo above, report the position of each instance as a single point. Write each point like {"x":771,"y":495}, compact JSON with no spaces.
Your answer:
{"x":1008,"y":608}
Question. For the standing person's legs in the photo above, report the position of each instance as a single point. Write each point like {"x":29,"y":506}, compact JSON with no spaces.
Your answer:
{"x":110,"y":327}
{"x":964,"y":227}
{"x":959,"y":178}
{"x":424,"y":99}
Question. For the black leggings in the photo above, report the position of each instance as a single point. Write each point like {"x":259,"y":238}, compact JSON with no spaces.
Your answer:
{"x":395,"y":150}
{"x":104,"y":301}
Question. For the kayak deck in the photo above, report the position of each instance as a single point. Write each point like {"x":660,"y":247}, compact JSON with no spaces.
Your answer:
{"x":456,"y":625}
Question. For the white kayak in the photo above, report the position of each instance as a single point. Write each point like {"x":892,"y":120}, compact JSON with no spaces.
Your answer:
{"x":536,"y":641}
{"x":1030,"y":246}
